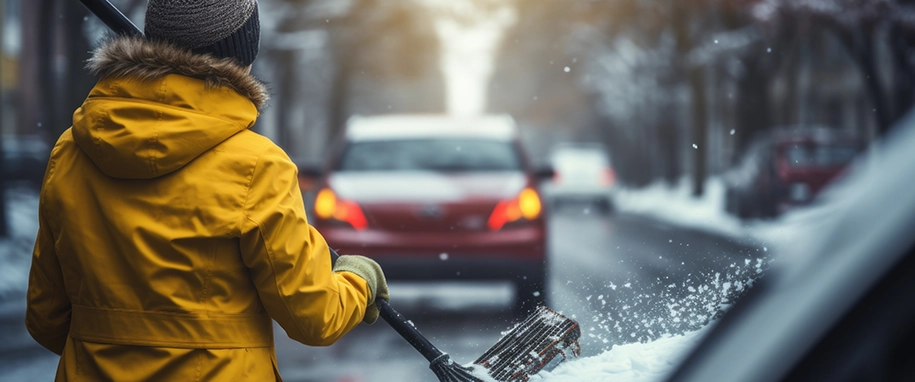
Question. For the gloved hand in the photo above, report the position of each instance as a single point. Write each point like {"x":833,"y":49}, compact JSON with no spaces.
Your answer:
{"x":369,"y":270}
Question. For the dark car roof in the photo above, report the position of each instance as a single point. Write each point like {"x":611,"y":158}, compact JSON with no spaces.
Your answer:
{"x":845,"y":245}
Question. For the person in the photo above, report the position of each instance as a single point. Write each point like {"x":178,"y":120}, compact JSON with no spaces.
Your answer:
{"x":170,"y":234}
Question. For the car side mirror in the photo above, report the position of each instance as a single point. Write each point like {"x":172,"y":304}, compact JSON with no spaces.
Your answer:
{"x":544,"y":172}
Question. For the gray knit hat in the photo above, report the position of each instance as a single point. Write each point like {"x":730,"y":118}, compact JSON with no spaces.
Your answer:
{"x":224,"y":28}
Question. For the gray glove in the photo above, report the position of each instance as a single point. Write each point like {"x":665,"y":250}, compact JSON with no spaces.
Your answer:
{"x":369,"y":270}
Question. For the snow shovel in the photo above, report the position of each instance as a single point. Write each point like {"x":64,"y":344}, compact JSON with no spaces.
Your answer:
{"x":540,"y":342}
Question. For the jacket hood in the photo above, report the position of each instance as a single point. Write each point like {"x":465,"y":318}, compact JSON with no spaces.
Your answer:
{"x":157,"y":107}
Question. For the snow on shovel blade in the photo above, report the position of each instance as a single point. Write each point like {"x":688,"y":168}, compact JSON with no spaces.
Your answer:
{"x":540,"y":342}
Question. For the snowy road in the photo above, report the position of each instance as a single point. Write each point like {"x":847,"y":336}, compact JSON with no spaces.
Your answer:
{"x":624,"y":278}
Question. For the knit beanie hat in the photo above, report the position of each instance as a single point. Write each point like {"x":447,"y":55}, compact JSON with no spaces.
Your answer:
{"x":223,"y":28}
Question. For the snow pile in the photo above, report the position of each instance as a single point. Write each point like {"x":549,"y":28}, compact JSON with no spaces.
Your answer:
{"x":632,"y":362}
{"x":635,"y":312}
{"x":647,"y":327}
{"x":640,"y":330}
{"x":678,"y":206}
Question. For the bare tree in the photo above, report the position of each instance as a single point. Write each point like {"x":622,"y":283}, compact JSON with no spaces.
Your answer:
{"x":55,"y":83}
{"x":863,"y":26}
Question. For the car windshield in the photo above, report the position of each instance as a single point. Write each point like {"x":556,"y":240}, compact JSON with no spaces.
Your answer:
{"x":430,"y":155}
{"x":819,"y":156}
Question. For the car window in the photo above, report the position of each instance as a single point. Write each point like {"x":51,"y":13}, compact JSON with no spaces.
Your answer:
{"x":808,"y":155}
{"x":430,"y":155}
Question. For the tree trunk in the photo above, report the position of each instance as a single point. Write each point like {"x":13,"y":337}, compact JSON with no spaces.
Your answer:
{"x":860,"y":46}
{"x":4,"y":224}
{"x":669,"y":140}
{"x":753,"y":103}
{"x":904,"y":78}
{"x":338,"y":101}
{"x":700,"y":128}
{"x":34,"y":103}
{"x":76,"y":82}
{"x":687,"y":14}
{"x":866,"y":59}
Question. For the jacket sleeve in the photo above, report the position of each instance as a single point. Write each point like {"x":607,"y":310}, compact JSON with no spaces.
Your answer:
{"x":48,"y":306}
{"x":290,"y":262}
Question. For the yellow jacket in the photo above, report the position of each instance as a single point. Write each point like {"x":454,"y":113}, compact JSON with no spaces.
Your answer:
{"x":170,"y":234}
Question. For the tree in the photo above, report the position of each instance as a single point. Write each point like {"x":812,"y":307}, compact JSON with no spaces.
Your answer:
{"x":863,"y":26}
{"x":56,"y":84}
{"x":330,"y":59}
{"x":4,"y":223}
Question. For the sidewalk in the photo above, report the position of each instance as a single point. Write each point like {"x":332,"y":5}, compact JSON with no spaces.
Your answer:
{"x":677,"y":206}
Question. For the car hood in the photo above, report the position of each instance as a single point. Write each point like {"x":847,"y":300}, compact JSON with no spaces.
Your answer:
{"x":423,"y":187}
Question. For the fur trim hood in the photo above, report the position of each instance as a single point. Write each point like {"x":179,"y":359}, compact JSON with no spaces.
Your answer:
{"x":130,"y":56}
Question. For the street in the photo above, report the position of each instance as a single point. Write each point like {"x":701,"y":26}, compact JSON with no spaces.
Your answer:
{"x":624,"y":278}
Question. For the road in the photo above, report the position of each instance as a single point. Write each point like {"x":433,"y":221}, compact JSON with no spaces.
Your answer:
{"x":624,"y":278}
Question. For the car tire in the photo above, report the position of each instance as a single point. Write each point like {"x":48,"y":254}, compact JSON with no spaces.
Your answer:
{"x":530,"y":292}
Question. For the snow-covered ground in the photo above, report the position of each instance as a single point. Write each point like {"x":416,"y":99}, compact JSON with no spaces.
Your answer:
{"x":631,"y":362}
{"x":653,"y":361}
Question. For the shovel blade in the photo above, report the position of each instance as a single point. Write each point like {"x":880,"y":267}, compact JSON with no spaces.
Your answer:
{"x":542,"y":341}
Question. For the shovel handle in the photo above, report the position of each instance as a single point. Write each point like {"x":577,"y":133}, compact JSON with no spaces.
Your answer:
{"x":112,"y":17}
{"x":409,"y":332}
{"x":403,"y":326}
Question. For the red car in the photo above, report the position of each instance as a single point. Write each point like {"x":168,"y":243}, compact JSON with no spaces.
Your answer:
{"x":787,"y":167}
{"x":437,"y":198}
{"x":808,"y":160}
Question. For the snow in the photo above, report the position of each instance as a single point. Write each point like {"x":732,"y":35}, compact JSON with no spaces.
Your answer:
{"x":654,"y":360}
{"x":677,"y":205}
{"x":631,"y":362}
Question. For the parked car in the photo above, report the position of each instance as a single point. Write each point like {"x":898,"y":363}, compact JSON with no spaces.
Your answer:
{"x":582,"y":174}
{"x":437,"y":198}
{"x":787,"y":167}
{"x":839,"y":305}
{"x":25,"y":159}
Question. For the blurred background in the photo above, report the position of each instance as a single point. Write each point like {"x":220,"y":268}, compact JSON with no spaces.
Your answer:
{"x":757,"y":104}
{"x":650,"y":79}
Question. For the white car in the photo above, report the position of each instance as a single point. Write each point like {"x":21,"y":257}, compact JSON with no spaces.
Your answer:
{"x":582,"y":174}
